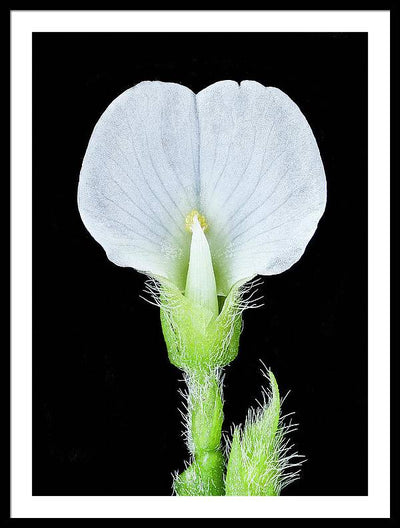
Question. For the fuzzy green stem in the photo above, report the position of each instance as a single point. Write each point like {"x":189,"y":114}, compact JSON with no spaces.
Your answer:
{"x":205,"y":416}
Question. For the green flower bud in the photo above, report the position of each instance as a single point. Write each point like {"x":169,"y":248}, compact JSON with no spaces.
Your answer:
{"x":260,"y":461}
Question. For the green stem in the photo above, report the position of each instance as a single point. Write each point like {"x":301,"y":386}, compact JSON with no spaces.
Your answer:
{"x":204,"y":476}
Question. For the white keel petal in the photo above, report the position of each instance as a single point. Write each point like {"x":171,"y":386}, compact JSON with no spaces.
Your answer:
{"x":200,"y":282}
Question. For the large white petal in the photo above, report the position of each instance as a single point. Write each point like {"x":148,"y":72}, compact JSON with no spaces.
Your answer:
{"x":263,"y":186}
{"x":139,"y":179}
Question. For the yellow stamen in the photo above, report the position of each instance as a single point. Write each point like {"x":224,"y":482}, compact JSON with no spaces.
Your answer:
{"x":190,"y":218}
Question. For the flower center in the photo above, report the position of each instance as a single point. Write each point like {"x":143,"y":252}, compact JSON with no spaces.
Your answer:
{"x":190,"y":219}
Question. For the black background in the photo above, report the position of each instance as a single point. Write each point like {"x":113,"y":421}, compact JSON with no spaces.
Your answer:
{"x":105,"y":419}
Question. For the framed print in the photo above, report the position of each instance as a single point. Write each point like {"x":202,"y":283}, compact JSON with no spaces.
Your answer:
{"x":170,"y":171}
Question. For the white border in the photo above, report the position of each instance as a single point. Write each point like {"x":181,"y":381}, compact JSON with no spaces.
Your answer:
{"x":377,"y":24}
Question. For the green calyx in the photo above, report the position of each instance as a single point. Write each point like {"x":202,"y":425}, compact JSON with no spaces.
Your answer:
{"x":197,"y":338}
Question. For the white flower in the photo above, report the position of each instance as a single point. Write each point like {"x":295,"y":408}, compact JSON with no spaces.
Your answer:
{"x":236,"y":168}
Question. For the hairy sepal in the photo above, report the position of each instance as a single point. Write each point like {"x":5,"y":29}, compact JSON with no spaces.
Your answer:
{"x":196,"y":339}
{"x":261,"y":462}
